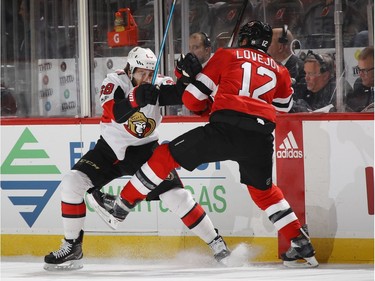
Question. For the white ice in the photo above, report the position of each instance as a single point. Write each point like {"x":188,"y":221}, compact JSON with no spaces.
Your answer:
{"x":185,"y":266}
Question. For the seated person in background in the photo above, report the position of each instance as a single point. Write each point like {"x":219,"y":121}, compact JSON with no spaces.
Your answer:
{"x":43,"y":36}
{"x":319,"y":93}
{"x":361,"y":39}
{"x":363,"y":94}
{"x":8,"y":102}
{"x":281,"y":51}
{"x":319,"y":25}
{"x":224,"y":18}
{"x":281,"y":12}
{"x":200,"y":46}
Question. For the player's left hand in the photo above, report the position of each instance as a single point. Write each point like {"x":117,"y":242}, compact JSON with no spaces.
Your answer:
{"x":187,"y":68}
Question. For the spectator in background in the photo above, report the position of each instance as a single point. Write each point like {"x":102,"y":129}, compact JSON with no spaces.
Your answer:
{"x":199,"y":17}
{"x":281,"y":12}
{"x":36,"y":43}
{"x":43,"y":37}
{"x":224,"y":18}
{"x":319,"y":93}
{"x":318,"y":26}
{"x":361,"y":39}
{"x":366,"y":9}
{"x":200,"y":45}
{"x":363,"y":94}
{"x":10,"y":30}
{"x":281,"y":51}
{"x":8,"y":102}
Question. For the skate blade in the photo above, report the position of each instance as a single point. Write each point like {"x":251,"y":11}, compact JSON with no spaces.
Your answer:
{"x":239,"y":256}
{"x":66,"y":266}
{"x":305,"y":263}
{"x":110,"y":220}
{"x":224,"y":262}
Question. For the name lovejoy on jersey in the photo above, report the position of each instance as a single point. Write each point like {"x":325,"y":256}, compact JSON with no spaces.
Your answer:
{"x":248,"y":54}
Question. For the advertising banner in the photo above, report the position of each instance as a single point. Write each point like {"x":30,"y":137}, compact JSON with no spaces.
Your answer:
{"x":339,"y":193}
{"x":58,"y":87}
{"x":325,"y":169}
{"x":35,"y":158}
{"x":290,"y":168}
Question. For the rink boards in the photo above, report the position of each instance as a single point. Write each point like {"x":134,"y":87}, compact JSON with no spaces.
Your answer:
{"x":324,"y":166}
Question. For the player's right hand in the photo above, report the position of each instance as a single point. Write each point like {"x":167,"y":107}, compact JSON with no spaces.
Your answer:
{"x":143,"y":95}
{"x":191,"y":65}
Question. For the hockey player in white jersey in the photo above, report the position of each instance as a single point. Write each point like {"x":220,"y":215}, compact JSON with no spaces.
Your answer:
{"x":131,"y":116}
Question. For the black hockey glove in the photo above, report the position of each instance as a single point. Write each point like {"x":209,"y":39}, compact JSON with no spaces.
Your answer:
{"x":143,"y":95}
{"x":187,"y":68}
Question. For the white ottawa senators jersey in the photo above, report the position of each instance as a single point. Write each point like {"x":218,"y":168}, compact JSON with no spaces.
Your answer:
{"x":140,"y":128}
{"x":248,"y":80}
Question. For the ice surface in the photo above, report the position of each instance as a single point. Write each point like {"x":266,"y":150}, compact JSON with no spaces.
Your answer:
{"x":185,"y":266}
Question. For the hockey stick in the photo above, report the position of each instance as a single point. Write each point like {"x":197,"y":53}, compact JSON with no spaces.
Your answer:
{"x":237,"y":26}
{"x":161,"y":49}
{"x":163,"y":42}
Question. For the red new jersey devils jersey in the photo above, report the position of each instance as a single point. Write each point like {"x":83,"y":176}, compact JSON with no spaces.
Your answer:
{"x":244,"y":80}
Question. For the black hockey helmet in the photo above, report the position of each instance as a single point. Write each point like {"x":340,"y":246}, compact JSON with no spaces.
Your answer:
{"x":257,"y":33}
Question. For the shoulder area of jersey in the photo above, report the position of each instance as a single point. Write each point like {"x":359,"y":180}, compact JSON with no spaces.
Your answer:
{"x":120,"y":71}
{"x":115,"y":74}
{"x":164,"y":80}
{"x":118,"y":74}
{"x":117,"y":78}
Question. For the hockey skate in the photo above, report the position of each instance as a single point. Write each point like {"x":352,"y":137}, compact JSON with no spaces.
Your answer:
{"x":109,"y":207}
{"x":68,"y":257}
{"x":220,"y":249}
{"x":301,"y":252}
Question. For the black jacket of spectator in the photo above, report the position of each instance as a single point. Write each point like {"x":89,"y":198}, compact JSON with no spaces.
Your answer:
{"x":360,"y":98}
{"x":307,"y":101}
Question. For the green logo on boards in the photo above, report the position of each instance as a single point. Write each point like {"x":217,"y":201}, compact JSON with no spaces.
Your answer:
{"x":27,"y":157}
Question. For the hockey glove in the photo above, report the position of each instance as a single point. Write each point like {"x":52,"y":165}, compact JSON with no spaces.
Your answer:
{"x":143,"y":95}
{"x":187,"y":68}
{"x":179,"y":65}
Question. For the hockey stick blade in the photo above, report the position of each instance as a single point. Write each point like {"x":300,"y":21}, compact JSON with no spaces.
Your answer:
{"x":109,"y":219}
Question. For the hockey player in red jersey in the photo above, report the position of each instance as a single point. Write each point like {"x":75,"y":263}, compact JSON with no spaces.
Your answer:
{"x":250,"y":88}
{"x":131,"y":116}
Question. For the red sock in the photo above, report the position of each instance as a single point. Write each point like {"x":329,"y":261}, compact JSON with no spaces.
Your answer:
{"x":272,"y":196}
{"x":130,"y":194}
{"x":194,"y":216}
{"x":162,"y":162}
{"x":69,"y":210}
{"x":291,"y":230}
{"x":265,"y":198}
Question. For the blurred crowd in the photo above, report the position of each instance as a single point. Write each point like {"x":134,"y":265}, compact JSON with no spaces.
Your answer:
{"x":304,"y":41}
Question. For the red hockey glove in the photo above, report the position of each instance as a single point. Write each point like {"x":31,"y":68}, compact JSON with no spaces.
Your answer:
{"x":143,"y":95}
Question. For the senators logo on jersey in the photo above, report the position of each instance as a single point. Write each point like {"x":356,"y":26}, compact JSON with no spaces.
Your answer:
{"x":139,"y":125}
